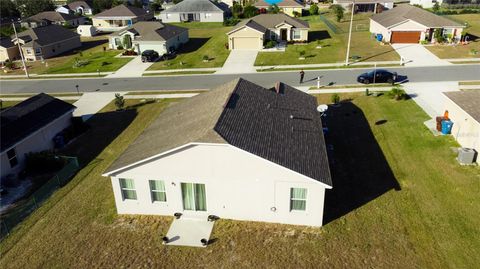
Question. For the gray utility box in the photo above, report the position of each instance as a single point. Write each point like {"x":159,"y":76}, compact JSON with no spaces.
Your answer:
{"x":466,"y":155}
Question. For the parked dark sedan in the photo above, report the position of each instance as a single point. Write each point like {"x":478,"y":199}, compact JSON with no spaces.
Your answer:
{"x":381,"y":76}
{"x":149,"y":56}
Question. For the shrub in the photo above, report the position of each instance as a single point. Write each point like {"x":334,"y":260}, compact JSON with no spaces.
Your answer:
{"x":237,"y":9}
{"x":335,"y":98}
{"x":313,"y":9}
{"x":10,"y":65}
{"x":231,"y":22}
{"x":297,"y":14}
{"x":43,"y":162}
{"x":250,"y":11}
{"x":119,"y":47}
{"x":127,"y":41}
{"x":80,"y":63}
{"x":301,"y":53}
{"x":273,"y":9}
{"x":270,"y":44}
{"x":339,"y":11}
{"x":397,"y":93}
{"x":438,"y":35}
{"x":205,"y":58}
{"x":119,"y":101}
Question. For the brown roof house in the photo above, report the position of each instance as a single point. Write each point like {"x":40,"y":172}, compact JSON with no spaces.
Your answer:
{"x":8,"y":50}
{"x":150,"y":35}
{"x":289,"y":7}
{"x":52,"y":17}
{"x":410,"y":24}
{"x":120,"y":17}
{"x":252,"y":33}
{"x":46,"y":42}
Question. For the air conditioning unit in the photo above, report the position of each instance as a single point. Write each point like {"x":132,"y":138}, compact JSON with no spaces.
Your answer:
{"x":466,"y":156}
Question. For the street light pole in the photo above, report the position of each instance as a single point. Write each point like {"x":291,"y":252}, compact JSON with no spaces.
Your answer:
{"x":20,"y":49}
{"x":350,"y":33}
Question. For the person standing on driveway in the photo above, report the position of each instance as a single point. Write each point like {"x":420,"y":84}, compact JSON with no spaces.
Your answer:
{"x":302,"y":75}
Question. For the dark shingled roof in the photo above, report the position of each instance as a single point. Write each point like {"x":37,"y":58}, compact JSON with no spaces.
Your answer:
{"x":263,"y":22}
{"x":152,"y":31}
{"x":27,"y":117}
{"x":469,"y":101}
{"x":45,"y":35}
{"x":284,"y":127}
{"x":195,"y":6}
{"x":6,"y":42}
{"x":52,"y":16}
{"x":122,"y":11}
{"x":403,"y":13}
{"x":76,"y":4}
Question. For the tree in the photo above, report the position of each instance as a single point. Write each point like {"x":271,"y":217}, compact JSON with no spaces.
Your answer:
{"x":127,"y":42}
{"x":119,"y":101}
{"x":8,"y":9}
{"x":31,"y":7}
{"x":236,"y":9}
{"x":338,"y":10}
{"x":100,"y":5}
{"x":176,"y":1}
{"x":313,"y":9}
{"x":250,"y":11}
{"x":137,"y":3}
{"x":273,"y":9}
{"x":436,"y":7}
{"x":156,"y":5}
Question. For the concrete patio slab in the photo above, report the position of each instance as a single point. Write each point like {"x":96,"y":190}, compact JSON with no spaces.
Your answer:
{"x":239,"y":62}
{"x":189,"y":232}
{"x":418,"y":55}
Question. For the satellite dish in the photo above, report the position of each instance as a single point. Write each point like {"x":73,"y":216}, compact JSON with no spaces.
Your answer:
{"x":322,"y":108}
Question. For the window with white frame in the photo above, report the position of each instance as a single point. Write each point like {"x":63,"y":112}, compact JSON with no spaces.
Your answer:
{"x":127,"y":187}
{"x":12,"y":157}
{"x":297,"y":34}
{"x":298,"y":199}
{"x":29,"y":51}
{"x":157,"y":190}
{"x":208,"y":15}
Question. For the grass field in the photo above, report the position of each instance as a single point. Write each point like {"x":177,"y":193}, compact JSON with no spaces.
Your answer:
{"x":91,"y":51}
{"x":461,"y":51}
{"x":334,"y":45}
{"x":205,"y":39}
{"x":400,"y":200}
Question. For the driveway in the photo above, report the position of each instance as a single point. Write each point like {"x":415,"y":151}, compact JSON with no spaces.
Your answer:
{"x":92,"y":102}
{"x":429,"y":95}
{"x":418,"y":55}
{"x":239,"y":62}
{"x":134,"y":68}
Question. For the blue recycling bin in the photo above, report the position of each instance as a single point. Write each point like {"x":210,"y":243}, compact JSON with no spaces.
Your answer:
{"x":379,"y":37}
{"x":447,"y":127}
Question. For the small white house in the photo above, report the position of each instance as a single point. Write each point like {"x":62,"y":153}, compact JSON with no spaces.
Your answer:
{"x":30,"y":126}
{"x":426,"y":3}
{"x":194,"y":11}
{"x":239,"y":151}
{"x":87,"y":30}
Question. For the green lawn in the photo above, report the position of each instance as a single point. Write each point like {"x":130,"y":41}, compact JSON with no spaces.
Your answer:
{"x":400,"y":200}
{"x":461,"y":51}
{"x":205,"y":39}
{"x":91,"y":51}
{"x":334,"y":45}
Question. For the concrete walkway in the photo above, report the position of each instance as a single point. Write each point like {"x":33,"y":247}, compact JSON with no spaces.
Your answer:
{"x":92,"y":102}
{"x":134,"y":68}
{"x":418,"y":55}
{"x":429,"y":95}
{"x":239,"y":62}
{"x":326,"y":65}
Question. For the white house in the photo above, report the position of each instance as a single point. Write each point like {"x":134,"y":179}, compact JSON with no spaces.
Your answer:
{"x":426,"y":3}
{"x":120,"y":17}
{"x":194,"y":10}
{"x":409,"y":24}
{"x":464,"y":111}
{"x":150,"y":35}
{"x":239,"y":151}
{"x":375,"y":6}
{"x":78,"y":7}
{"x":30,"y":126}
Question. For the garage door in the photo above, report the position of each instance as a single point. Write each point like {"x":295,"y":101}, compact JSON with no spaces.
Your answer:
{"x":405,"y":37}
{"x":246,"y":43}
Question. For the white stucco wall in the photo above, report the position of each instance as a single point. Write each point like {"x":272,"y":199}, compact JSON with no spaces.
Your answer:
{"x":239,"y":185}
{"x":376,"y":28}
{"x":465,"y":129}
{"x":41,"y":140}
{"x":425,"y":3}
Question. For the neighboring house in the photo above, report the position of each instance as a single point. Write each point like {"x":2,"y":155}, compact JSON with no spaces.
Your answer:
{"x":289,"y":7}
{"x":87,"y":30}
{"x":52,"y":17}
{"x":426,"y":3}
{"x":150,"y":35}
{"x":194,"y":10}
{"x":375,"y":6}
{"x":239,"y":151}
{"x":251,"y":34}
{"x":30,"y":126}
{"x":120,"y":17}
{"x":8,"y":50}
{"x":409,"y":24}
{"x":47,"y":41}
{"x":77,"y":7}
{"x":464,"y":111}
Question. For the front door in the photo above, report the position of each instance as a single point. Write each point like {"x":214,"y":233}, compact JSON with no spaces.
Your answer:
{"x":283,"y":34}
{"x":193,"y":197}
{"x":191,"y":17}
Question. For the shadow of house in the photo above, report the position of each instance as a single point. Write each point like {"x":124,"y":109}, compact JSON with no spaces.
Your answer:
{"x":103,"y":129}
{"x":193,"y":44}
{"x":318,"y":35}
{"x":360,"y":171}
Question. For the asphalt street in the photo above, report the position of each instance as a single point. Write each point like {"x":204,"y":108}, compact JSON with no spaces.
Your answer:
{"x":267,"y":79}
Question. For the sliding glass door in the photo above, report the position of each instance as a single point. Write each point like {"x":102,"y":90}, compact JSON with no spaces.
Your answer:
{"x":193,"y":196}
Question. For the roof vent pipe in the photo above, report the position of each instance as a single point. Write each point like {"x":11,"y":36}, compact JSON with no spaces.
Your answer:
{"x":277,"y":87}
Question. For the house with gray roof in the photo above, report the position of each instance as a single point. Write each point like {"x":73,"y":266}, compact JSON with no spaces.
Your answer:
{"x":239,"y":151}
{"x":150,"y":35}
{"x":375,"y":6}
{"x":8,"y":50}
{"x":410,"y":24}
{"x":46,"y":42}
{"x":252,"y":33}
{"x":52,"y":17}
{"x":195,"y":10}
{"x":77,"y":7}
{"x":120,"y":17}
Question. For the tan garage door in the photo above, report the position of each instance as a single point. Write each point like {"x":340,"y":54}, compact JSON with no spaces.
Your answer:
{"x":405,"y":37}
{"x":246,"y":43}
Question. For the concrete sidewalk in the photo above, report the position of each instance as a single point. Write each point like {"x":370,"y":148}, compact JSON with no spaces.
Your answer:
{"x":418,"y":55}
{"x":326,"y":65}
{"x":92,"y":102}
{"x":134,"y":68}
